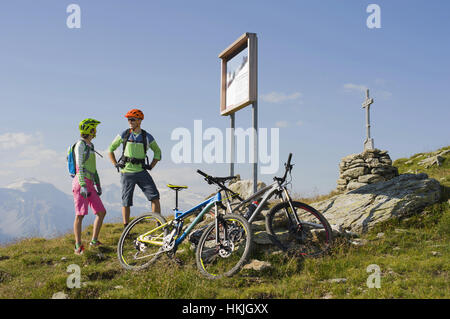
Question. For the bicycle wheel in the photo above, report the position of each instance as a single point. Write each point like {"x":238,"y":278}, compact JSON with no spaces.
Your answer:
{"x":311,"y":237}
{"x":141,"y":241}
{"x":223,"y":250}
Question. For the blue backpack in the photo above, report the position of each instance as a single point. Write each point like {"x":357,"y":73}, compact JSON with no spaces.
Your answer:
{"x":71,"y":161}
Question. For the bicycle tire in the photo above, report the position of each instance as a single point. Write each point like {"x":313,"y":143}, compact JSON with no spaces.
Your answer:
{"x":129,"y":238}
{"x":214,"y":261}
{"x":314,"y":229}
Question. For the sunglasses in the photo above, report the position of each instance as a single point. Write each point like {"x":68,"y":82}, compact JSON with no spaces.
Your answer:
{"x":132,"y":119}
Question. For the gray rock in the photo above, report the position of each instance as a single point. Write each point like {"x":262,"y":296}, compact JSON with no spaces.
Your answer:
{"x":430,"y":161}
{"x":371,"y":178}
{"x":354,"y":185}
{"x":337,"y":280}
{"x":245,"y":187}
{"x":257,"y":265}
{"x":261,"y":238}
{"x":361,"y":209}
{"x":355,"y":172}
{"x":60,"y":295}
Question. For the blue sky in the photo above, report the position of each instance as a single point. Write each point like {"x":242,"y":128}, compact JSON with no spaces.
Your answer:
{"x":315,"y":58}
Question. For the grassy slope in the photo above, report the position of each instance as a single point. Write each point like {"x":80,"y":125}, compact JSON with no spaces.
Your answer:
{"x":413,"y":255}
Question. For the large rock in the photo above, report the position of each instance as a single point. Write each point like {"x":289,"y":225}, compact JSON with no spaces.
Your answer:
{"x":245,"y":187}
{"x":359,"y":210}
{"x":368,"y":167}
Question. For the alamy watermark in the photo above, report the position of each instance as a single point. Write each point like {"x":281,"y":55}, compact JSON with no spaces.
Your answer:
{"x":374,"y":19}
{"x":374,"y":280}
{"x":73,"y":21}
{"x":74,"y":279}
{"x":212,"y":145}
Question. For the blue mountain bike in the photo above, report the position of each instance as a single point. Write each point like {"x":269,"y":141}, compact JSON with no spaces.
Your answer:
{"x":223,"y":248}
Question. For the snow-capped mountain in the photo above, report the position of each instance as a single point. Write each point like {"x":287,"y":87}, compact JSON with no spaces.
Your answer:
{"x":32,"y":208}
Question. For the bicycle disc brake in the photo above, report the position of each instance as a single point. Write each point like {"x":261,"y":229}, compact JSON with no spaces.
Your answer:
{"x":226,"y":248}
{"x":169,"y":242}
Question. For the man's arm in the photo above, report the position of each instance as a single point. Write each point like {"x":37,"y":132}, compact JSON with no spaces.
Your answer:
{"x":156,"y":153}
{"x":114,"y":145}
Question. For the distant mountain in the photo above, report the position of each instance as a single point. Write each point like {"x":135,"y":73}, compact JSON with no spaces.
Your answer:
{"x":32,"y":208}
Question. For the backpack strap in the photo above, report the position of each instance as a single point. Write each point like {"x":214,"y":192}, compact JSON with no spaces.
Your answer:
{"x":87,"y":153}
{"x":126,"y":136}
{"x":144,"y":135}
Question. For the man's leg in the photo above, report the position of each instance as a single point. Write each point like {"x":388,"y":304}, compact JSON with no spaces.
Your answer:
{"x":128,"y":183}
{"x":156,"y":206}
{"x":125,"y":215}
{"x":148,"y":187}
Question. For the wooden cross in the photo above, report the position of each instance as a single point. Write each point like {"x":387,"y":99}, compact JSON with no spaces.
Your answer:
{"x":368,"y":143}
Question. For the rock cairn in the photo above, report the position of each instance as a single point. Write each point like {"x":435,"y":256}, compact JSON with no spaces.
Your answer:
{"x":368,"y":167}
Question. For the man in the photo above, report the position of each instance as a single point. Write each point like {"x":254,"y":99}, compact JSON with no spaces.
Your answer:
{"x":84,"y":193}
{"x":133,"y":165}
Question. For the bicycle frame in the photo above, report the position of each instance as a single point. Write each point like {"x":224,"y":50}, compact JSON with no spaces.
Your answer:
{"x":179,"y":217}
{"x":268,"y":191}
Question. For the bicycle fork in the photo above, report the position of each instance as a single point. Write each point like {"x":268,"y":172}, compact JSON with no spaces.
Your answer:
{"x":295,"y":221}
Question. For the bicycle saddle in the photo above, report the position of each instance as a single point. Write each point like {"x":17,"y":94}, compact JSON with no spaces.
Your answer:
{"x":176,"y":187}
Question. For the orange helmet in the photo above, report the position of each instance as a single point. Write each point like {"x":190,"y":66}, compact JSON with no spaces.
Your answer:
{"x":135,"y":113}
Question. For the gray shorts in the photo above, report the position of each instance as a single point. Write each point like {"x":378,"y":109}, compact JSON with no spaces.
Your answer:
{"x":145,"y":183}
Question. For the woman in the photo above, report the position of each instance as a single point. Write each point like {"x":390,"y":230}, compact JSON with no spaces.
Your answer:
{"x":84,"y":193}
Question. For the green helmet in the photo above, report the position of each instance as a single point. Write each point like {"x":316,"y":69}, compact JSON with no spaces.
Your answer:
{"x":88,"y":126}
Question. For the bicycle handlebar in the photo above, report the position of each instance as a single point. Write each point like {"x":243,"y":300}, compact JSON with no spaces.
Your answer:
{"x":288,"y":168}
{"x":219,"y":182}
{"x":203,"y":174}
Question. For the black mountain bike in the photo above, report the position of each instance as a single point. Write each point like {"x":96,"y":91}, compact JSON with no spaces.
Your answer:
{"x":293,"y":226}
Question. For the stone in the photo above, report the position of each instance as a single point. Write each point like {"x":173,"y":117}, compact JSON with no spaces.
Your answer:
{"x":355,"y":172}
{"x":435,"y":253}
{"x":354,"y":185}
{"x":257,"y":265}
{"x":262,"y":238}
{"x":370,"y":178}
{"x":245,"y":187}
{"x":431,"y":161}
{"x":355,"y":167}
{"x":359,"y":242}
{"x":337,"y":280}
{"x":328,"y":295}
{"x":60,"y":295}
{"x":360,"y":209}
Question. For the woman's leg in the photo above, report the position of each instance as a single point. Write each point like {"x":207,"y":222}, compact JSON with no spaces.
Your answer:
{"x":77,"y":228}
{"x":98,"y":224}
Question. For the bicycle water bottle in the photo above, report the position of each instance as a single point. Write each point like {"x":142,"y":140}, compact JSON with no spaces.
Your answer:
{"x":251,"y":209}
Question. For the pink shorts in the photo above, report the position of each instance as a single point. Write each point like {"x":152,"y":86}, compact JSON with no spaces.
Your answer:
{"x":82,"y":204}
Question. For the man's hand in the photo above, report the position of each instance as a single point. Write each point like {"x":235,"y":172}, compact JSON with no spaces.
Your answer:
{"x":119,"y":166}
{"x":84,"y":192}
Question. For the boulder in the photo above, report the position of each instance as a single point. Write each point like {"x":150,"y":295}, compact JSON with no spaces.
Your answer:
{"x":370,"y":166}
{"x":430,"y":161}
{"x":245,"y":187}
{"x":360,"y":209}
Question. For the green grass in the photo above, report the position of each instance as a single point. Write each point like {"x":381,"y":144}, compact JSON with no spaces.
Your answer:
{"x":413,"y":256}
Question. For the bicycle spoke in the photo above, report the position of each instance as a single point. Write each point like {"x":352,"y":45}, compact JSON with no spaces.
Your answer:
{"x":141,"y":241}
{"x":223,"y":256}
{"x":311,"y":236}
